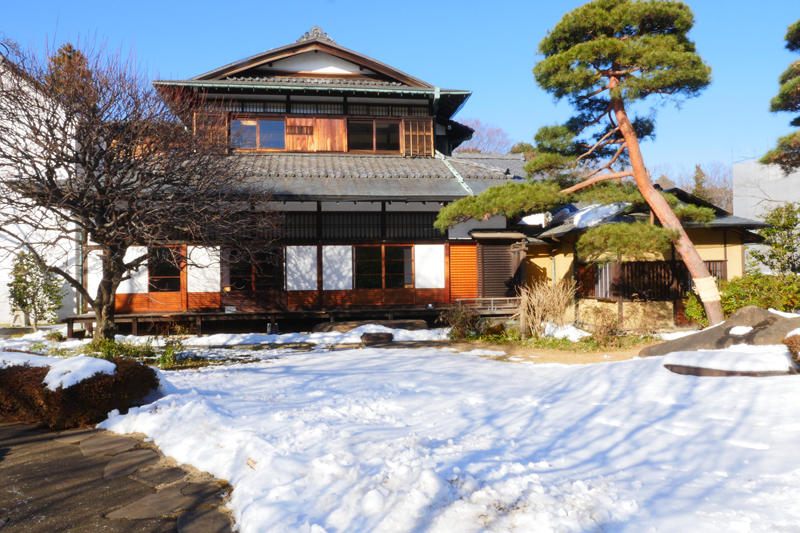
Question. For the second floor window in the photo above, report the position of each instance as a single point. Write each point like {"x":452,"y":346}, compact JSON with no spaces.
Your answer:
{"x":373,"y":136}
{"x":257,"y":134}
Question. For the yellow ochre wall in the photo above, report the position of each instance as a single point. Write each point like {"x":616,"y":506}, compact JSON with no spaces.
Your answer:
{"x":712,"y":245}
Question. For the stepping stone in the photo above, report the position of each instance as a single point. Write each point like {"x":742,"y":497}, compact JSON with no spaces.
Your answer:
{"x":169,"y":500}
{"x":159,"y":476}
{"x":208,"y":521}
{"x":74,"y":436}
{"x":5,"y":519}
{"x":129,"y":462}
{"x":107,"y":445}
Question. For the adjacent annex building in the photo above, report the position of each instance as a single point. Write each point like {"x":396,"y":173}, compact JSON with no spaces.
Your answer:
{"x":357,"y":156}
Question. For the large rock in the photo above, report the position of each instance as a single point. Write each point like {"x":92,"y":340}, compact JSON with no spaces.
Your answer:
{"x":768,"y":328}
{"x":344,"y":327}
{"x":376,"y":338}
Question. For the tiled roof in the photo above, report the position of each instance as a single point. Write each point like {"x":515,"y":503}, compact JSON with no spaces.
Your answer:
{"x":341,"y":175}
{"x":318,"y":81}
{"x":511,"y":163}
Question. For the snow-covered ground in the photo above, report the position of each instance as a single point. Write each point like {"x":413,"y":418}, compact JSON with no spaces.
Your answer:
{"x":427,"y":440}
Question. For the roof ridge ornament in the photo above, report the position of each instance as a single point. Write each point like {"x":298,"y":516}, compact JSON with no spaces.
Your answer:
{"x":316,"y":33}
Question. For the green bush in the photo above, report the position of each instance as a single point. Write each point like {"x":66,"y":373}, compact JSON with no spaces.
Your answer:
{"x":55,"y":336}
{"x":462,"y":320}
{"x":109,"y":349}
{"x":762,"y":290}
{"x":23,"y":396}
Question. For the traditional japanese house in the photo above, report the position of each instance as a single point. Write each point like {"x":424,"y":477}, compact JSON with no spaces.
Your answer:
{"x":640,"y":293}
{"x":357,"y":156}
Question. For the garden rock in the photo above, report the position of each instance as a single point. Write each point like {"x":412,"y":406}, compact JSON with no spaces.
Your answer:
{"x":344,"y":327}
{"x":768,"y":328}
{"x":375,"y":338}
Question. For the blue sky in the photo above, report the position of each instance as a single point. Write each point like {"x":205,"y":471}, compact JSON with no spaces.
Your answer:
{"x":486,"y":47}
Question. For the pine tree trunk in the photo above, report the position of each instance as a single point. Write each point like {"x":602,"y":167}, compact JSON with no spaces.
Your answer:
{"x":684,"y":246}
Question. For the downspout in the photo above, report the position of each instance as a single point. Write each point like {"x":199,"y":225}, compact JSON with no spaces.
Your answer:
{"x":437,"y":93}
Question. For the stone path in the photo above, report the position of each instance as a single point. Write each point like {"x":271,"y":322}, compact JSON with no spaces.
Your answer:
{"x":90,"y":480}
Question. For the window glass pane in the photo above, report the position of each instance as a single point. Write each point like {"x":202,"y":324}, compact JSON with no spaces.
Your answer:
{"x":399,"y":273}
{"x":272,"y":135}
{"x":164,"y":275}
{"x":368,"y":273}
{"x":387,"y":136}
{"x":359,"y":135}
{"x":243,"y":133}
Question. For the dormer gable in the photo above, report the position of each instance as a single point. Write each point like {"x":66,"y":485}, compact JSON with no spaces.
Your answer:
{"x":313,"y":56}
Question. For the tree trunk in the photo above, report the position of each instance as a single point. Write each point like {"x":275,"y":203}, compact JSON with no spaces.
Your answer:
{"x":104,"y":302}
{"x":708,"y":291}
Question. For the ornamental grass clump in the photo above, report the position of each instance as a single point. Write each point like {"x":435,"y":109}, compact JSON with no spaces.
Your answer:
{"x":542,"y":302}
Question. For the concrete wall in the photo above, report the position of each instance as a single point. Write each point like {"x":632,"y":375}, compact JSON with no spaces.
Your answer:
{"x":758,"y":187}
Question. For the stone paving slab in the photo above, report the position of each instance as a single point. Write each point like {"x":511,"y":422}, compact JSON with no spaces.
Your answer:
{"x":47,"y":487}
{"x":127,"y":463}
{"x":206,"y":521}
{"x":169,"y":500}
{"x":107,"y":445}
{"x":75,"y":436}
{"x":159,"y":476}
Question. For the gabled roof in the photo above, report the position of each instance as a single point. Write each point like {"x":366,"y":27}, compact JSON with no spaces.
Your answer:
{"x":315,"y":41}
{"x":361,"y":76}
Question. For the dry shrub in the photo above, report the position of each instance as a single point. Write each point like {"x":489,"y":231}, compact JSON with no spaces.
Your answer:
{"x":23,"y":396}
{"x":793,"y":342}
{"x":543,"y":302}
{"x":462,"y":320}
{"x":605,"y":325}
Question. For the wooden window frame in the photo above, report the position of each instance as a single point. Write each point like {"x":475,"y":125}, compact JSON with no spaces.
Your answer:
{"x":258,"y":118}
{"x":254,"y":276}
{"x":383,"y":248}
{"x":181,"y":269}
{"x":375,"y":121}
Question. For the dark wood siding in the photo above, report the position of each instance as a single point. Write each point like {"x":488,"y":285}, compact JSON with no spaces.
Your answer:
{"x":496,"y":279}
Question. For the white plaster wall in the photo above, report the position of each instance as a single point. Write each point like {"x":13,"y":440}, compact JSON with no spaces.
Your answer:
{"x":337,"y":268}
{"x":429,"y":266}
{"x":203,"y":269}
{"x":461,"y":231}
{"x":61,"y":253}
{"x":301,"y":268}
{"x":318,"y":63}
{"x":138,"y":282}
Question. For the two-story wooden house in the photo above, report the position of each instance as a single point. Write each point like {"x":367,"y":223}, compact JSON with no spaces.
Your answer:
{"x":357,"y":155}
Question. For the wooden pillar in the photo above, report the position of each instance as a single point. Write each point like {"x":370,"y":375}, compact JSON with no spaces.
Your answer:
{"x":135,"y":326}
{"x":199,"y":326}
{"x":70,"y":328}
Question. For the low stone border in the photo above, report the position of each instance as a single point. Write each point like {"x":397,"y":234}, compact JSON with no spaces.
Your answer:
{"x":712,"y":372}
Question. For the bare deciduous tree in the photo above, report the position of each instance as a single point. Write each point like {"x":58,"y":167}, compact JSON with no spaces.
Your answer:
{"x":719,"y":183}
{"x":91,"y":153}
{"x":487,"y":139}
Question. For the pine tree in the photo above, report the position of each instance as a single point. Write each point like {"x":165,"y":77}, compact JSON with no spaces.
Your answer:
{"x":787,"y":152}
{"x":34,"y":291}
{"x":700,"y":184}
{"x":602,"y":57}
